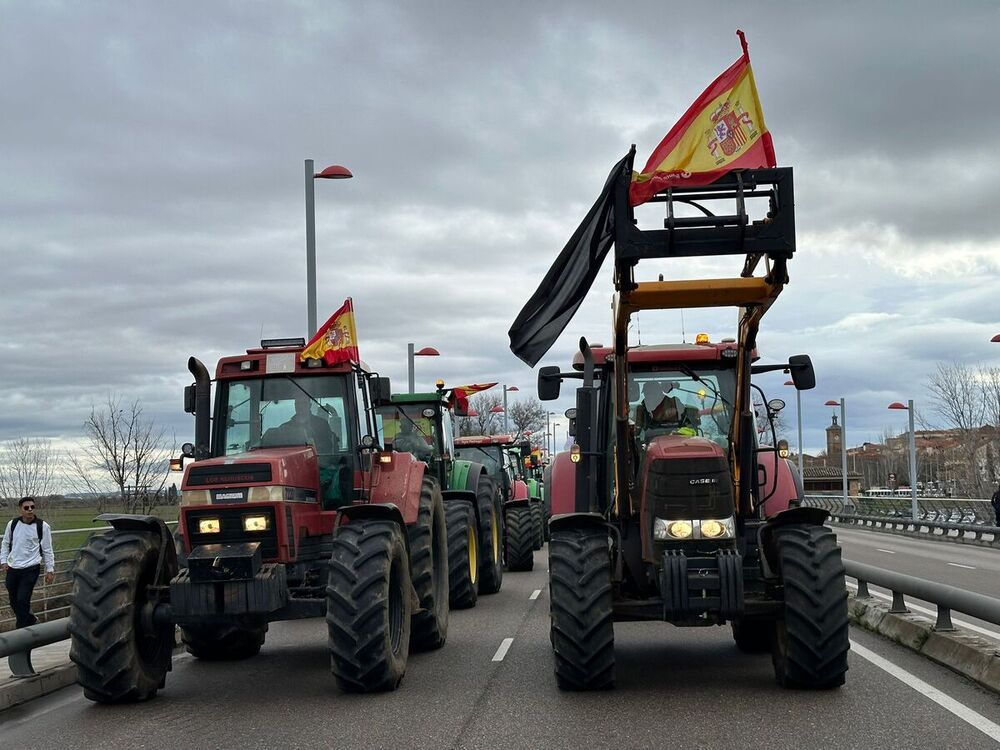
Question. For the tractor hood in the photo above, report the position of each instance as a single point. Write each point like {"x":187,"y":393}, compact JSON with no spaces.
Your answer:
{"x":289,"y":467}
{"x":682,"y":447}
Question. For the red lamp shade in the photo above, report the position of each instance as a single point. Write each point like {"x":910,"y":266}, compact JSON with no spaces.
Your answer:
{"x":996,"y":339}
{"x":897,"y":405}
{"x":334,"y":172}
{"x":472,"y":413}
{"x":427,"y":351}
{"x":496,"y":410}
{"x":789,"y":382}
{"x":513,"y":388}
{"x":831,"y":402}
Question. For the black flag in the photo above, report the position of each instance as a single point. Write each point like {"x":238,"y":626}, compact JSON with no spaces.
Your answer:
{"x":564,"y":287}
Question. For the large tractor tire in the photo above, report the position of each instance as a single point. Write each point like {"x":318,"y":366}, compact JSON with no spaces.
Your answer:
{"x":811,"y":640}
{"x":223,"y":642}
{"x":582,"y":629}
{"x":429,"y":569}
{"x":520,"y":539}
{"x":753,"y":635}
{"x":368,"y":606}
{"x":490,"y":537}
{"x":120,"y":653}
{"x":538,"y":521}
{"x":463,"y":554}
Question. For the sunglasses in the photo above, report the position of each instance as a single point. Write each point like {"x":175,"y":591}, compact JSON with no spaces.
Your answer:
{"x":28,"y":507}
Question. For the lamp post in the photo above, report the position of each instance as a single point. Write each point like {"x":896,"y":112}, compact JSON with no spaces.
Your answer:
{"x":500,"y":410}
{"x":913,"y":456}
{"x":550,"y":445}
{"x":427,"y":351}
{"x":843,"y":444}
{"x":798,"y":414}
{"x":334,"y":172}
{"x":506,"y":388}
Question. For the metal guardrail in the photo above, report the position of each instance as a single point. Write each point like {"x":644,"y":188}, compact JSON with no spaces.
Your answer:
{"x":942,"y":510}
{"x":945,"y":598}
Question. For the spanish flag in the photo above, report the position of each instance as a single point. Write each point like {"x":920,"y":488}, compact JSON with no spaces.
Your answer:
{"x":460,"y":393}
{"x":336,"y":341}
{"x":723,"y":130}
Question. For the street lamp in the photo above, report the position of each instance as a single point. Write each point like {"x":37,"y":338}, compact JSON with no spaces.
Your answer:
{"x":798,"y":414}
{"x":334,"y":172}
{"x":913,"y":456}
{"x":548,"y":432}
{"x":427,"y":351}
{"x":996,"y":339}
{"x":506,"y":388}
{"x":843,"y":444}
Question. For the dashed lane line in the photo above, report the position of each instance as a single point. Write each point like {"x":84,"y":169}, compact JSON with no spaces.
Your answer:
{"x":503,"y":649}
{"x":887,"y":551}
{"x":965,"y":624}
{"x":959,"y":565}
{"x":966,"y":714}
{"x":534,"y":594}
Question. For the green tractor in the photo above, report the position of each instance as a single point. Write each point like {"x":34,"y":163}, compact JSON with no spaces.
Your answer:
{"x":422,"y":424}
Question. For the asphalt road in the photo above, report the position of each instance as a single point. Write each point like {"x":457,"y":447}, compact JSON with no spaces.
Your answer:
{"x":964,"y":566}
{"x":676,"y":688}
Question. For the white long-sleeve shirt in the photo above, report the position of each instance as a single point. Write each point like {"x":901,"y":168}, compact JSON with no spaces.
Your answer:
{"x":22,"y":548}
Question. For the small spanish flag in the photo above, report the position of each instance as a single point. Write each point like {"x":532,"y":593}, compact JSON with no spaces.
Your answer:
{"x":723,"y":130}
{"x":460,"y":393}
{"x":337,"y":340}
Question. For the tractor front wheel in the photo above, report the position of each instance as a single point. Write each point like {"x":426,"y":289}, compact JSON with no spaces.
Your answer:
{"x":538,"y":521}
{"x":368,"y":606}
{"x":122,"y":654}
{"x":520,"y":539}
{"x":490,"y":536}
{"x":463,"y":554}
{"x":429,"y":569}
{"x":582,"y":628}
{"x":811,"y":641}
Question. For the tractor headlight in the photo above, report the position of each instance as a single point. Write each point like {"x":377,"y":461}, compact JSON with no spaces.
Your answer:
{"x":712,"y":529}
{"x":256,"y":523}
{"x":209,"y":526}
{"x":664,"y":530}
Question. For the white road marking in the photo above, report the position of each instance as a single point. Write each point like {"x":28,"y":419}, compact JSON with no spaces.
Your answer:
{"x":959,"y":565}
{"x":534,"y":594}
{"x":948,"y":703}
{"x":503,"y":649}
{"x":887,"y":551}
{"x":932,"y":613}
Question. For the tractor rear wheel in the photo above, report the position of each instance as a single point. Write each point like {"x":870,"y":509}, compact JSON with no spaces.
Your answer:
{"x":538,"y":520}
{"x":753,"y":636}
{"x":811,"y":640}
{"x":368,"y":606}
{"x":223,"y":643}
{"x":121,"y":653}
{"x":520,"y":539}
{"x":490,"y":537}
{"x":582,"y":629}
{"x":463,"y":554}
{"x":429,"y":569}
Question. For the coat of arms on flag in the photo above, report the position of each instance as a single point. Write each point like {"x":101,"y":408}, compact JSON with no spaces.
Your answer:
{"x":336,"y":341}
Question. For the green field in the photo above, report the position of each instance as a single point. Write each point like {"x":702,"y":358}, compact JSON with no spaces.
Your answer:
{"x":64,"y":518}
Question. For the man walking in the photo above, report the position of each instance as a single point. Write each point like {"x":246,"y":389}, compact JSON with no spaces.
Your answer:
{"x":995,"y":502}
{"x":27,"y":542}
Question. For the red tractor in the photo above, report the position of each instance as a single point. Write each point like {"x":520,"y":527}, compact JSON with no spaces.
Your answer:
{"x":520,"y":518}
{"x":289,"y":510}
{"x":666,"y":508}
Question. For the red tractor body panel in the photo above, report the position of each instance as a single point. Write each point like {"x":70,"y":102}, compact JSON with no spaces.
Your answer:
{"x":520,"y":490}
{"x":399,"y":482}
{"x":562,"y":485}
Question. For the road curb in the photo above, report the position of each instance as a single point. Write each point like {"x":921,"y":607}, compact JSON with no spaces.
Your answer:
{"x":962,"y":652}
{"x":21,"y":690}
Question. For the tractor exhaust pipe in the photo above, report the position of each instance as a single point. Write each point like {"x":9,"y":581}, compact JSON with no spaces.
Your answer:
{"x":202,"y":408}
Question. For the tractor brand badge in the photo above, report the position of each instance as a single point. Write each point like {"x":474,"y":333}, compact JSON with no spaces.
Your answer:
{"x":732,"y":129}
{"x":705,"y":480}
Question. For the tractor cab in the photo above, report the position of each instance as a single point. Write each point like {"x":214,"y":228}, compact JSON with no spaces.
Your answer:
{"x":421,"y":424}
{"x":490,"y":451}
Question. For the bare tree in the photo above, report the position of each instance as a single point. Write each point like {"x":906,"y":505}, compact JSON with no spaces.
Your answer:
{"x":527,"y":415}
{"x":125,"y":451}
{"x":27,"y":467}
{"x":485,"y":422}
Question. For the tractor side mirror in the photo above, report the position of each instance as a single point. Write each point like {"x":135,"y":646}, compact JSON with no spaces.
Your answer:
{"x":189,"y":399}
{"x":801,"y":369}
{"x":548,"y":383}
{"x":461,"y":407}
{"x":380,"y":390}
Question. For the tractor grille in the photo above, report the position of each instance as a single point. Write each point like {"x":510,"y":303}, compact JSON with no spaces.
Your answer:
{"x":690,"y":488}
{"x":231,"y":523}
{"x":221,"y":476}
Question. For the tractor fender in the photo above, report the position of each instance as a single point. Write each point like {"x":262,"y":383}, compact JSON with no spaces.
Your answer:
{"x":398,"y":483}
{"x":765,"y":534}
{"x":463,"y":474}
{"x":782,"y":488}
{"x":379,"y":511}
{"x":577,"y":520}
{"x":520,"y":490}
{"x":561,"y":486}
{"x":521,"y":503}
{"x":462,"y":496}
{"x":152,"y":525}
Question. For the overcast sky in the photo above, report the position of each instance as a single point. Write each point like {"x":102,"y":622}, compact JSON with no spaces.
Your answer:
{"x":151,"y":184}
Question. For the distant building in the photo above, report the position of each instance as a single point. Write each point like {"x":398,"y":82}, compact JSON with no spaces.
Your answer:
{"x":828,"y":480}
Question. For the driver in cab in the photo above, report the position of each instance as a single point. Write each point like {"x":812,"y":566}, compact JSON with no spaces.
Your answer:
{"x":408,"y":441}
{"x":661,"y":412}
{"x":303,"y":428}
